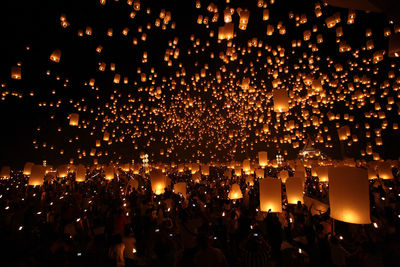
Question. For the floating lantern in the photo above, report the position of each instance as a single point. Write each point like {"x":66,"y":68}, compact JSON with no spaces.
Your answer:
{"x":235,"y":192}
{"x":270,"y":195}
{"x":294,"y":190}
{"x":37,"y":175}
{"x":349,"y":195}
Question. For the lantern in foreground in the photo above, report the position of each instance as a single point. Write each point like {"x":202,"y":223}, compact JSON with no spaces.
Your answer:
{"x":235,"y":192}
{"x":37,"y":175}
{"x":322,"y":173}
{"x":62,"y":171}
{"x":158,"y":181}
{"x":180,"y":188}
{"x":109,"y":173}
{"x":80,"y":174}
{"x":349,"y":195}
{"x":27,"y":168}
{"x":294,"y":190}
{"x":270,"y":195}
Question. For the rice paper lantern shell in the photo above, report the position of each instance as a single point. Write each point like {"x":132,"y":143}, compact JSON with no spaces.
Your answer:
{"x":263,"y":158}
{"x":283,"y":175}
{"x":349,"y":195}
{"x":205,"y":170}
{"x":74,"y":119}
{"x":62,"y":171}
{"x":109,"y":173}
{"x":260,"y":173}
{"x":180,"y":188}
{"x":80,"y":174}
{"x":385,"y":171}
{"x":294,"y":190}
{"x":196,"y":177}
{"x":5,"y":172}
{"x":158,"y":181}
{"x":27,"y":168}
{"x":235,"y":192}
{"x":322,"y":173}
{"x":37,"y":175}
{"x":238,"y":170}
{"x":281,"y":100}
{"x":270,"y":195}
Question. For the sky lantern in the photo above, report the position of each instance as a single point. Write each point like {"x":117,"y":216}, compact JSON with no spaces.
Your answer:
{"x":385,"y":171}
{"x":281,"y":101}
{"x":196,"y":177}
{"x":322,"y":173}
{"x":74,"y":119}
{"x":62,"y":171}
{"x":270,"y":195}
{"x":349,"y":195}
{"x":27,"y":168}
{"x":205,"y":169}
{"x":263,"y":158}
{"x":16,"y":73}
{"x":235,"y":192}
{"x":37,"y":175}
{"x":344,"y":132}
{"x":283,"y":175}
{"x":238,"y":170}
{"x":260,"y":173}
{"x":294,"y":190}
{"x":180,"y":188}
{"x":246,"y":166}
{"x":56,"y":56}
{"x":394,"y":45}
{"x":109,"y":173}
{"x":5,"y":172}
{"x":80,"y":173}
{"x":158,"y":181}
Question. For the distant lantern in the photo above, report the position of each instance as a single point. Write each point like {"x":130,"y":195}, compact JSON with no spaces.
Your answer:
{"x":238,"y":170}
{"x":106,"y":136}
{"x":281,"y":100}
{"x":344,"y":133}
{"x":80,"y":173}
{"x":158,"y":181}
{"x":349,"y":195}
{"x":246,"y":166}
{"x":37,"y":175}
{"x":180,"y":188}
{"x":74,"y":119}
{"x":263,"y":158}
{"x":56,"y":56}
{"x":16,"y":73}
{"x":283,"y":175}
{"x":5,"y":172}
{"x":27,"y":168}
{"x":109,"y":173}
{"x":235,"y":192}
{"x":322,"y":173}
{"x":270,"y":195}
{"x":294,"y":190}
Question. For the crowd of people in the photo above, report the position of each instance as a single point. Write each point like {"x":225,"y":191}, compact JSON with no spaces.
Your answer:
{"x":110,"y":223}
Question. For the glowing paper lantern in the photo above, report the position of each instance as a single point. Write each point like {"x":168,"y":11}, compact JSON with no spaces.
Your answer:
{"x":281,"y":100}
{"x":322,"y":173}
{"x":16,"y":73}
{"x":109,"y":173}
{"x":180,"y":188}
{"x":349,"y":195}
{"x":62,"y":171}
{"x":37,"y":175}
{"x":270,"y":195}
{"x":249,"y":180}
{"x":294,"y":190}
{"x":74,"y":119}
{"x":262,"y":158}
{"x":235,"y":192}
{"x":238,"y":170}
{"x":283,"y":175}
{"x":246,"y":166}
{"x":5,"y":172}
{"x":56,"y":56}
{"x":394,"y":45}
{"x":385,"y":171}
{"x":196,"y":177}
{"x":80,"y":173}
{"x":205,"y":170}
{"x":260,"y":173}
{"x":158,"y":181}
{"x":27,"y":168}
